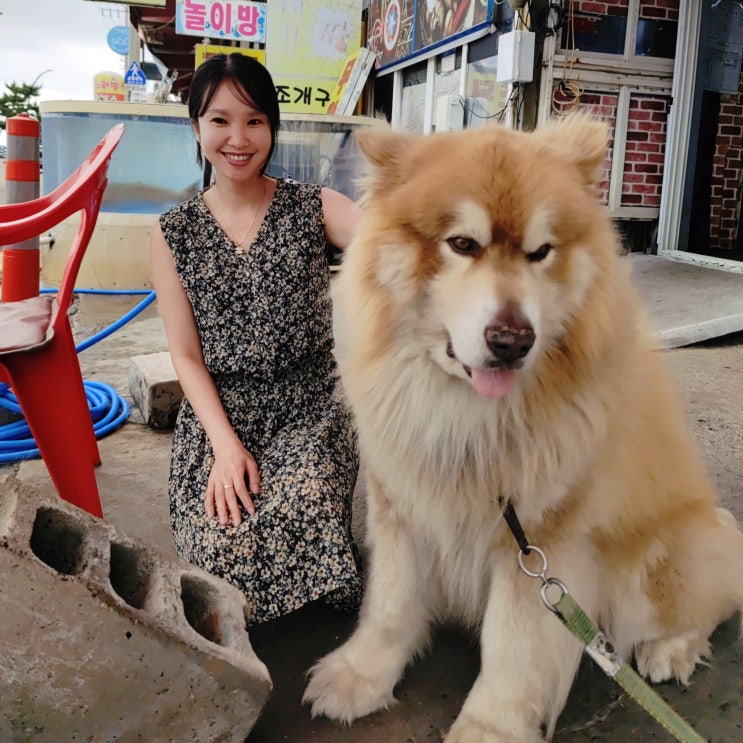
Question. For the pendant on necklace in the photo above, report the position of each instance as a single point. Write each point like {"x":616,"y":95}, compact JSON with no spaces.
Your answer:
{"x":222,"y":223}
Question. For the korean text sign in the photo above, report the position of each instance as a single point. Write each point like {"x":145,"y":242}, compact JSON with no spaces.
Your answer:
{"x":307,"y":45}
{"x":241,"y":20}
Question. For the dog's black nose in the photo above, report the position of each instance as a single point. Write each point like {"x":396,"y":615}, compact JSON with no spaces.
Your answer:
{"x":510,"y":337}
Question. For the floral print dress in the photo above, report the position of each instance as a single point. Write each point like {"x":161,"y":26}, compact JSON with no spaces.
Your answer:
{"x":264,"y":317}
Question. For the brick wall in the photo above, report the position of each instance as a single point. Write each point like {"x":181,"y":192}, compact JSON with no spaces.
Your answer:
{"x":662,"y":10}
{"x":648,"y":115}
{"x":610,"y":7}
{"x":600,"y":104}
{"x":656,"y":9}
{"x":646,"y":141}
{"x":727,"y":171}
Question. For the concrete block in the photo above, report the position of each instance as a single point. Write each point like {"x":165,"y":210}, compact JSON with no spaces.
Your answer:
{"x":154,"y":387}
{"x":102,"y":638}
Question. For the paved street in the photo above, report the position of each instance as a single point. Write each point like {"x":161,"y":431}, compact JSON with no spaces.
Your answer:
{"x":132,"y":481}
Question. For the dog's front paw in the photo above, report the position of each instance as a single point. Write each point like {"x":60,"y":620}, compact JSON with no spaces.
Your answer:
{"x":468,"y":730}
{"x":674,"y":657}
{"x":338,"y":691}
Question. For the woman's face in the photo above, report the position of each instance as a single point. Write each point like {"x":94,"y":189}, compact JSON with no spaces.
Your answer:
{"x":235,"y":137}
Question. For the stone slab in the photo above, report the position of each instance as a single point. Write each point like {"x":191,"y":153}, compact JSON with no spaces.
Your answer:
{"x":155,"y":389}
{"x":688,"y":302}
{"x":102,"y":638}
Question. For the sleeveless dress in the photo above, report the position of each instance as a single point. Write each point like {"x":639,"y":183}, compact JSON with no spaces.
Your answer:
{"x":265,"y":321}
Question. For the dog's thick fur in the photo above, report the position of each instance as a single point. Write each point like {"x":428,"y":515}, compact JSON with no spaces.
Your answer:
{"x":492,"y":347}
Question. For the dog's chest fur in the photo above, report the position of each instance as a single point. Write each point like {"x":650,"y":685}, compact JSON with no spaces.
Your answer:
{"x":447,"y":459}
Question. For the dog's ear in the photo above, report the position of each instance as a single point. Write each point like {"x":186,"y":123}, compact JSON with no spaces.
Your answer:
{"x":382,"y":146}
{"x":583,"y":139}
{"x":386,"y":150}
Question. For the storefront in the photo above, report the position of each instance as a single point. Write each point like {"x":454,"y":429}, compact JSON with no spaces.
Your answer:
{"x":665,"y":75}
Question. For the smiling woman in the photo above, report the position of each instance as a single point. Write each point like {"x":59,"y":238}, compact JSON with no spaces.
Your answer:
{"x":264,"y":457}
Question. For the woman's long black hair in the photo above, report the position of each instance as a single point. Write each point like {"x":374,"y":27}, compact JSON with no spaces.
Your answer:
{"x":249,"y":80}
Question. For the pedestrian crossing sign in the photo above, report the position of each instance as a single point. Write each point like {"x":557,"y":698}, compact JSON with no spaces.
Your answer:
{"x":134,"y":75}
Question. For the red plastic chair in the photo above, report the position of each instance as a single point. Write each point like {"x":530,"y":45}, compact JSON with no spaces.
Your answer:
{"x":37,"y":349}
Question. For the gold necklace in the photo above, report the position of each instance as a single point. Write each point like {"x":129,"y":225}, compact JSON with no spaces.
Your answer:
{"x":220,"y":217}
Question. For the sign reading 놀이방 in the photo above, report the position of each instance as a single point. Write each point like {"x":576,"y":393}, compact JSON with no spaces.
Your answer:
{"x":241,"y":20}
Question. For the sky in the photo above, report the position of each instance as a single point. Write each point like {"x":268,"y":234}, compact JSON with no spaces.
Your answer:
{"x":65,"y":37}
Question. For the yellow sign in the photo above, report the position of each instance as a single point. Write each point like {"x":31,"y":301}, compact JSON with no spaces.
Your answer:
{"x":108,"y":86}
{"x":204,"y":51}
{"x":351,"y":83}
{"x":308,"y":43}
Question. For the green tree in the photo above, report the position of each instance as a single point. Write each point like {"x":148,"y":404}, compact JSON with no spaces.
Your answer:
{"x":18,"y":99}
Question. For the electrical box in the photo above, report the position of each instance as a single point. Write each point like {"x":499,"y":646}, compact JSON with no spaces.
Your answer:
{"x":516,"y":57}
{"x":449,"y":113}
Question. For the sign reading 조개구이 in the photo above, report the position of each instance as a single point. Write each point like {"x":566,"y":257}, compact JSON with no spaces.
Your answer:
{"x":241,"y":20}
{"x":307,"y":46}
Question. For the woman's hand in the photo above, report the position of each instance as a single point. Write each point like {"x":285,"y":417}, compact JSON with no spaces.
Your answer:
{"x":227,"y":484}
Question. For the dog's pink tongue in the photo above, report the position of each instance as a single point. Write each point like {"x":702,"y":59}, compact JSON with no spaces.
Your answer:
{"x":492,"y":382}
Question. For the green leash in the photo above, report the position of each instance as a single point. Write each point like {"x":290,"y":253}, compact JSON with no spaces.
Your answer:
{"x":596,"y":643}
{"x":602,"y":652}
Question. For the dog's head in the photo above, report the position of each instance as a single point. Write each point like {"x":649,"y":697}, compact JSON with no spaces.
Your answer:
{"x":485,"y":242}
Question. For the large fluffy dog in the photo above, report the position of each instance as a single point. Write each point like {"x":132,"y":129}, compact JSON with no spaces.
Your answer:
{"x":492,"y":347}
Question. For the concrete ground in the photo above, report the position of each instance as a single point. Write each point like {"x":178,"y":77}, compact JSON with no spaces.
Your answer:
{"x":132,"y":481}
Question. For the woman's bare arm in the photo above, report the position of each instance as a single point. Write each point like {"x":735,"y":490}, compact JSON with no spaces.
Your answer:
{"x":231,"y":460}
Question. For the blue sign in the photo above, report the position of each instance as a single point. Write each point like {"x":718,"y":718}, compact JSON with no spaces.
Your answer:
{"x":118,"y":39}
{"x":134,"y":75}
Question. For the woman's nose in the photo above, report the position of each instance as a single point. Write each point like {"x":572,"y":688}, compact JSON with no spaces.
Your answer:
{"x":239,"y":134}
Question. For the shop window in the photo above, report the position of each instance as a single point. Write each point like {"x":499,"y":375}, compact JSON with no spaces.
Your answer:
{"x":413,"y":102}
{"x":383,"y":95}
{"x":486,"y":97}
{"x":601,"y":34}
{"x":630,"y":29}
{"x":656,"y":38}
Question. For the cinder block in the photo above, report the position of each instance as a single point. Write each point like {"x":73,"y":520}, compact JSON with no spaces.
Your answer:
{"x":104,"y":639}
{"x":155,"y":389}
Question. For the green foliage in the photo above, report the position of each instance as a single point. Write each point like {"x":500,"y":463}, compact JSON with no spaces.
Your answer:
{"x":18,"y":99}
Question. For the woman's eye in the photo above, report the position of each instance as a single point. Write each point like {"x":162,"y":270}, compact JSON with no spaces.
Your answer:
{"x":463,"y":245}
{"x":540,"y":253}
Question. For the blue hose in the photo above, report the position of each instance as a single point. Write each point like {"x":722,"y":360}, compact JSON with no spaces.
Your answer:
{"x":108,"y":409}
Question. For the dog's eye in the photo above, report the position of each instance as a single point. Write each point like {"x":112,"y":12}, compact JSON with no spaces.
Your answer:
{"x":463,"y":245}
{"x":540,"y":253}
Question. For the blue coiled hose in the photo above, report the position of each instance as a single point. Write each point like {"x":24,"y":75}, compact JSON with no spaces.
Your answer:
{"x":107,"y":408}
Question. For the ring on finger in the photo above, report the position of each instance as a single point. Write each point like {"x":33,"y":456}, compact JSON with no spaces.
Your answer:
{"x":229,"y":485}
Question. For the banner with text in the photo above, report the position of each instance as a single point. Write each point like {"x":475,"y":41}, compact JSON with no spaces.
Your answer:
{"x":307,"y":45}
{"x":241,"y":20}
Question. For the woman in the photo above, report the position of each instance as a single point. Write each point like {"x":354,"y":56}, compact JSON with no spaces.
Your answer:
{"x":264,"y":456}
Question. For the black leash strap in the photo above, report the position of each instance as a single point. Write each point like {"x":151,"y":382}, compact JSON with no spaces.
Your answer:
{"x":514,"y":525}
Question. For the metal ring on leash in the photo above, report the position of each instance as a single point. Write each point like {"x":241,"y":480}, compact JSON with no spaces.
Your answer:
{"x":543,"y":572}
{"x":542,"y":575}
{"x":545,"y":599}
